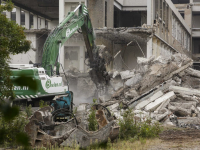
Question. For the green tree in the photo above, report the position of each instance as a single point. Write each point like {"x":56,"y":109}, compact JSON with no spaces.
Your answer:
{"x":12,"y":41}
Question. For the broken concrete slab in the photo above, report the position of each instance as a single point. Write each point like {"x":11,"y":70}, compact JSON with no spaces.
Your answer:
{"x":134,"y":80}
{"x":131,"y":93}
{"x":143,"y":69}
{"x":151,"y":99}
{"x":115,"y":74}
{"x":162,"y":106}
{"x":190,"y":82}
{"x":188,"y":97}
{"x":144,"y":61}
{"x":184,"y":105}
{"x":114,"y":106}
{"x":116,"y":84}
{"x":127,"y":74}
{"x":162,"y":87}
{"x":163,"y":114}
{"x":155,"y":76}
{"x":153,"y":105}
{"x":183,"y":90}
{"x":181,"y":112}
{"x":162,"y":60}
{"x":193,"y":72}
{"x":190,"y":63}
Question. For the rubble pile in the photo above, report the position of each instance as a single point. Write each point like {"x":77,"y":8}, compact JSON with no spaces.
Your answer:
{"x":165,"y":89}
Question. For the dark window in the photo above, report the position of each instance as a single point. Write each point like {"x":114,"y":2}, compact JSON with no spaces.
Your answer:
{"x":31,"y":20}
{"x":13,"y":16}
{"x":116,"y":17}
{"x":182,"y":14}
{"x":105,"y":13}
{"x":130,"y":19}
{"x":196,"y":45}
{"x":196,"y":66}
{"x":180,"y":1}
{"x":22,"y":18}
{"x":46,"y":24}
{"x":196,"y":1}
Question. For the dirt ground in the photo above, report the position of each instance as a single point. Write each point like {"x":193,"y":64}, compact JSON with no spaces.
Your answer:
{"x":177,"y":139}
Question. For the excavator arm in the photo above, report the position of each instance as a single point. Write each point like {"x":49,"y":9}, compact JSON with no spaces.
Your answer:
{"x":63,"y":32}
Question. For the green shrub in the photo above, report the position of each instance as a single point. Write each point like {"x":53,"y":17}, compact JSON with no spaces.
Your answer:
{"x":28,"y":110}
{"x":42,"y":104}
{"x":12,"y":130}
{"x":93,"y":124}
{"x":128,"y":126}
{"x":132,"y":128}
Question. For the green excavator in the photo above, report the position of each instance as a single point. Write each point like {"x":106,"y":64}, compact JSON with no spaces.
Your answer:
{"x":48,"y":82}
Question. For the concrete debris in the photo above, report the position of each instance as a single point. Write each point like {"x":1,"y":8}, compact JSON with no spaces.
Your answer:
{"x":153,"y":105}
{"x":163,"y":89}
{"x":193,"y":72}
{"x":182,"y":112}
{"x":134,"y":80}
{"x":162,"y":106}
{"x":115,"y":73}
{"x":116,"y":84}
{"x":183,"y":90}
{"x":131,"y":93}
{"x":151,"y":99}
{"x":145,"y":61}
{"x":114,"y":106}
{"x":127,"y":74}
{"x":162,"y":60}
{"x":163,"y":113}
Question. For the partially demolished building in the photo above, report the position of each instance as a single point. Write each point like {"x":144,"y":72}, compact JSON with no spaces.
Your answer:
{"x":153,"y":27}
{"x":128,"y":28}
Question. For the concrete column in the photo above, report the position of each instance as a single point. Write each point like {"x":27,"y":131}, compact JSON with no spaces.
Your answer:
{"x":27,"y":20}
{"x":35,"y":22}
{"x":38,"y":22}
{"x":81,"y":59}
{"x":42,"y":23}
{"x":61,"y":17}
{"x":8,"y":14}
{"x":150,"y":48}
{"x":149,"y":12}
{"x":61,"y":10}
{"x":18,"y":15}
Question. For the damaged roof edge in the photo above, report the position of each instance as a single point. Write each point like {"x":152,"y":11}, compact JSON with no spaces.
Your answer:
{"x":124,"y":34}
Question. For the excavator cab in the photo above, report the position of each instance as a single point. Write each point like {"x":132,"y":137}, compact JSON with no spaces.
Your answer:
{"x":63,"y":107}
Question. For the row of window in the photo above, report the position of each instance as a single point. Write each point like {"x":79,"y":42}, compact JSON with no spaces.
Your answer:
{"x":13,"y":17}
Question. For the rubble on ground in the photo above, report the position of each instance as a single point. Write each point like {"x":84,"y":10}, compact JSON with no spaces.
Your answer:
{"x":44,"y":132}
{"x":165,"y":89}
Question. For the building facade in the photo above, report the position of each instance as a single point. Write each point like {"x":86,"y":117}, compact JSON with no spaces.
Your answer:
{"x":137,"y":28}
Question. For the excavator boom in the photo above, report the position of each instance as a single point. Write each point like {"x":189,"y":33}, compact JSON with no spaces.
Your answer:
{"x":63,"y":32}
